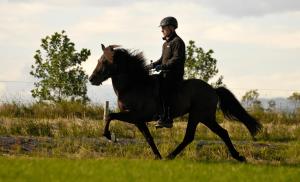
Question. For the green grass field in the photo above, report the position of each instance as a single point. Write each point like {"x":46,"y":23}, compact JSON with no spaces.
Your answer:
{"x":54,"y":169}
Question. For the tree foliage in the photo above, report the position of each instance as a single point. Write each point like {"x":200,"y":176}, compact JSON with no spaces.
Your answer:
{"x":201,"y":65}
{"x":295,"y":97}
{"x":58,"y":70}
{"x":250,"y":99}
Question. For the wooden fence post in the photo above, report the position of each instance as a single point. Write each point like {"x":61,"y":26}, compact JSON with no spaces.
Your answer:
{"x":106,"y":110}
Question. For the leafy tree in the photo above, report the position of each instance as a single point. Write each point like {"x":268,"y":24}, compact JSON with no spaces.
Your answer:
{"x":201,"y":65}
{"x":295,"y":98}
{"x":251,"y":98}
{"x":57,"y":68}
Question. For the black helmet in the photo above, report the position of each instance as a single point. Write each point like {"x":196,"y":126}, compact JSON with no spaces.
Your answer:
{"x":170,"y":20}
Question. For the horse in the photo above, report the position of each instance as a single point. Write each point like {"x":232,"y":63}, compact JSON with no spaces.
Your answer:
{"x":138,"y":94}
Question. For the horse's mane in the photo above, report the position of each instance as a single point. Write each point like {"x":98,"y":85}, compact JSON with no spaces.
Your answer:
{"x":133,"y":62}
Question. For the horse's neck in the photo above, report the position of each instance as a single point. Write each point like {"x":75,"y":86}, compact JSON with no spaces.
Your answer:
{"x":133,"y":95}
{"x":120,"y":83}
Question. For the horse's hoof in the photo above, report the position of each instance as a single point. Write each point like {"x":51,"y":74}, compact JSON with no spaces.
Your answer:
{"x":158,"y":158}
{"x":107,"y":135}
{"x":170,"y":157}
{"x":241,"y":159}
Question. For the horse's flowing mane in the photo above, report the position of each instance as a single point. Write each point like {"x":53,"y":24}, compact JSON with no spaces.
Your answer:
{"x":133,"y":63}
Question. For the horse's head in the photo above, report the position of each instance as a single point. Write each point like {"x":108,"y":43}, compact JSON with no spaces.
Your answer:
{"x":105,"y":67}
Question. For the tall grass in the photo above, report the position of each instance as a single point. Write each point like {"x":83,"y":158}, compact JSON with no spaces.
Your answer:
{"x":81,"y":138}
{"x":78,"y":119}
{"x":64,"y":109}
{"x":74,"y":130}
{"x":73,"y":109}
{"x":75,"y":127}
{"x":277,"y":117}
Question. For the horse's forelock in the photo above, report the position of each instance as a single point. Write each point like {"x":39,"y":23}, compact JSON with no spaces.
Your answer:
{"x":114,"y":46}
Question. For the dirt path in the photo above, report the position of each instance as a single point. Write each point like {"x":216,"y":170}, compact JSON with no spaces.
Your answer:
{"x":27,"y":144}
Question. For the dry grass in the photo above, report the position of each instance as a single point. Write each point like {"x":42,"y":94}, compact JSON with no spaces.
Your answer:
{"x":74,"y":130}
{"x":66,"y":109}
{"x":79,"y":138}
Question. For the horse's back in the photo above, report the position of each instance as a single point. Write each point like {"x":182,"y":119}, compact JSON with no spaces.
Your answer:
{"x":196,"y":94}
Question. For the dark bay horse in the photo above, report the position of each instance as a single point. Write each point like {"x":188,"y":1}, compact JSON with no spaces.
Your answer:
{"x":137,"y":93}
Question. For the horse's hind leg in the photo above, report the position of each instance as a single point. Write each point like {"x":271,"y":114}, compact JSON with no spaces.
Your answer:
{"x":188,"y":138}
{"x":223,"y":134}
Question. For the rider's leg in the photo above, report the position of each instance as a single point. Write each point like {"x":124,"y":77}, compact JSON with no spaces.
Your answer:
{"x":161,"y":110}
{"x":165,"y":118}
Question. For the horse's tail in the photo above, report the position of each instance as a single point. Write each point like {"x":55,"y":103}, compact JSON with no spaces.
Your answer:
{"x":232,"y":109}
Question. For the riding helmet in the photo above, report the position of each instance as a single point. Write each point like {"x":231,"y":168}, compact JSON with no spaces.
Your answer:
{"x":170,"y":20}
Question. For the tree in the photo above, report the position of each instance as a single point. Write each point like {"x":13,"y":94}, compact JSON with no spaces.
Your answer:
{"x":251,"y":98}
{"x":295,"y":98}
{"x":200,"y":64}
{"x":57,"y":68}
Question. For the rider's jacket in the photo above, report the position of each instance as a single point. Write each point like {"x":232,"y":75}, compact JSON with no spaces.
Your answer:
{"x":173,"y":57}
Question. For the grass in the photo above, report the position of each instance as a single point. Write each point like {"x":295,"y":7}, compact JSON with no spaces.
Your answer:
{"x":76,"y":127}
{"x":64,"y":109}
{"x":55,"y":169}
{"x":82,"y":147}
{"x":73,"y":109}
{"x":73,"y":131}
{"x":81,"y":138}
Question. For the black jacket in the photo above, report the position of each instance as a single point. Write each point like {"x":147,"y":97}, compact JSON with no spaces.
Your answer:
{"x":173,"y":57}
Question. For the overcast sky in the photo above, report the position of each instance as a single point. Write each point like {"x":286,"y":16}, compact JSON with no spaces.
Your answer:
{"x":256,"y":42}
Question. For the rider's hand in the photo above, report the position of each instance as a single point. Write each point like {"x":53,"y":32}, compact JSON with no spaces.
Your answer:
{"x":158,"y":68}
{"x":149,"y":67}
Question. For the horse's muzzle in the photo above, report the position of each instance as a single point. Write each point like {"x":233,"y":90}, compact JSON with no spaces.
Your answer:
{"x":94,"y":81}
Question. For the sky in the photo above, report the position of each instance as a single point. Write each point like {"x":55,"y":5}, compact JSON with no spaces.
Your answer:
{"x":256,"y":42}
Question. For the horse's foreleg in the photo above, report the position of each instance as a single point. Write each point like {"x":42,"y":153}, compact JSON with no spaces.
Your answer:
{"x":145,"y":131}
{"x":106,"y":132}
{"x":122,"y":116}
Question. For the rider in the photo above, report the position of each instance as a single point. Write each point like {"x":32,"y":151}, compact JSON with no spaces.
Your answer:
{"x":171,"y":63}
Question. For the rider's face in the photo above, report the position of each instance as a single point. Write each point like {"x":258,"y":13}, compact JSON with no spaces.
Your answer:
{"x":166,"y":31}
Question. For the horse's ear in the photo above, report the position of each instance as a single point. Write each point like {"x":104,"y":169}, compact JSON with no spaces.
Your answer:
{"x":103,"y":47}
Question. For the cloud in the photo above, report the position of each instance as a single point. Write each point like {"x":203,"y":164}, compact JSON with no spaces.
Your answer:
{"x":237,"y":8}
{"x":76,"y":3}
{"x":270,"y":85}
{"x":133,"y":24}
{"x":252,"y":33}
{"x":19,"y":22}
{"x":234,"y":8}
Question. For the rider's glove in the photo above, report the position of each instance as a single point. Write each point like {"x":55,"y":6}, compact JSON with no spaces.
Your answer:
{"x":149,"y":67}
{"x":158,"y":68}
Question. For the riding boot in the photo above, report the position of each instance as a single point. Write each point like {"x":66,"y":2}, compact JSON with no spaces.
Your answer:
{"x":165,"y":119}
{"x":162,"y":114}
{"x":169,"y":119}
